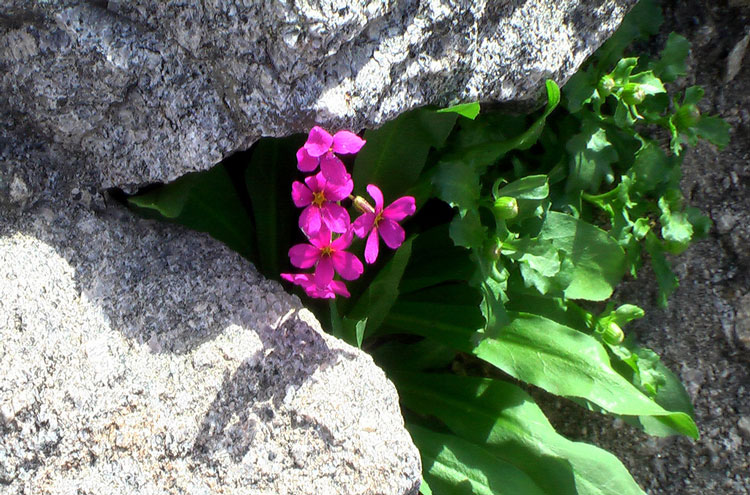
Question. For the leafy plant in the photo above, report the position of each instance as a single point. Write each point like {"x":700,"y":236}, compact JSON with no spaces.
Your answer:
{"x":525,"y":225}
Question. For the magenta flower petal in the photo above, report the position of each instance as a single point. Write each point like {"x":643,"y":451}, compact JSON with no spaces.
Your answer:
{"x":315,"y":182}
{"x":324,"y":271}
{"x":333,"y":169}
{"x":372,"y":247}
{"x":347,"y":142}
{"x":335,"y":217}
{"x":362,"y":225}
{"x":339,"y":287}
{"x":337,"y":192}
{"x":392,"y":233}
{"x":303,"y":255}
{"x":347,"y":265}
{"x":342,"y":242}
{"x":306,"y":162}
{"x":377,"y":195}
{"x":318,"y":141}
{"x":301,"y":195}
{"x":400,"y":209}
{"x":322,"y":238}
{"x":310,"y":220}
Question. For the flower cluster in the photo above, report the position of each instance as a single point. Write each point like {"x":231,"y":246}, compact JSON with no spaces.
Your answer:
{"x":327,"y":224}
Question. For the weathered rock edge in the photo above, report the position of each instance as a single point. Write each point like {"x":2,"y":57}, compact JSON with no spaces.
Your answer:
{"x":148,"y":90}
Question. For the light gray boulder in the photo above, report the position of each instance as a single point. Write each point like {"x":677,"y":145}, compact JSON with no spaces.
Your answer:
{"x":148,"y":90}
{"x":138,"y":357}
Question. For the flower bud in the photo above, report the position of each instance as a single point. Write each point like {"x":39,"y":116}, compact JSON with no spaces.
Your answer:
{"x":633,"y":95}
{"x":606,"y":85}
{"x":505,"y":207}
{"x":612,"y":333}
{"x":687,"y":116}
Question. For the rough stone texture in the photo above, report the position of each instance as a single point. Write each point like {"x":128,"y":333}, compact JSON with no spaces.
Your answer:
{"x":147,"y":90}
{"x":137,"y":357}
{"x":703,"y":335}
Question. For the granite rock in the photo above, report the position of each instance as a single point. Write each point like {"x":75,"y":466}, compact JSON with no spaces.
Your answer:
{"x":138,"y":357}
{"x":147,"y":90}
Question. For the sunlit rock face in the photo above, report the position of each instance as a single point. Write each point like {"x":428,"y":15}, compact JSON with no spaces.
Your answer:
{"x":147,"y":90}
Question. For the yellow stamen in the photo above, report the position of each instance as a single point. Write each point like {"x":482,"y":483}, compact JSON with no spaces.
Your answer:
{"x":326,"y":251}
{"x":319,"y":198}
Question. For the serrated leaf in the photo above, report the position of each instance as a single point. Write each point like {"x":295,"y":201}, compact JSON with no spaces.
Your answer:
{"x":591,"y":158}
{"x":671,"y":65}
{"x":693,"y":95}
{"x":506,"y":420}
{"x":468,"y":110}
{"x":467,"y":230}
{"x":665,"y":277}
{"x":641,"y":22}
{"x":595,"y":261}
{"x":715,"y":130}
{"x":539,"y":262}
{"x":651,"y":168}
{"x":648,"y":83}
{"x":579,"y":90}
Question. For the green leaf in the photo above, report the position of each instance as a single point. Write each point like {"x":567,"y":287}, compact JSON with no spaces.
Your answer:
{"x":529,"y":187}
{"x":396,"y":153}
{"x":468,"y":110}
{"x":591,"y":158}
{"x":693,"y":95}
{"x":268,"y":179}
{"x":206,"y":202}
{"x":715,"y":130}
{"x":453,"y":465}
{"x":457,"y":183}
{"x":505,"y":419}
{"x":373,"y":305}
{"x":579,"y":90}
{"x":676,"y":229}
{"x":467,"y":230}
{"x":671,"y":65}
{"x":665,"y":277}
{"x":651,"y":168}
{"x":648,"y":83}
{"x":567,"y":362}
{"x":594,"y":261}
{"x":423,"y":355}
{"x":539,"y":262}
{"x":641,"y":22}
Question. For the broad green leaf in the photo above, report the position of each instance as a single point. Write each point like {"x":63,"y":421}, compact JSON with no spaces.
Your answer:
{"x":564,"y":361}
{"x":671,"y":65}
{"x":206,"y":202}
{"x":595,"y":262}
{"x":651,"y":168}
{"x":268,"y":179}
{"x":539,"y":262}
{"x":395,"y":154}
{"x":422,"y":355}
{"x":715,"y":130}
{"x":530,"y":187}
{"x":505,"y":419}
{"x":468,"y":110}
{"x":435,"y":259}
{"x":693,"y":95}
{"x":591,"y":158}
{"x":482,"y":155}
{"x":373,"y":305}
{"x":456,"y":466}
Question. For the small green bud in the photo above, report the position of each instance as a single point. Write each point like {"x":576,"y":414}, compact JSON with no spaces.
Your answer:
{"x":505,"y":207}
{"x":606,"y":85}
{"x":613,"y":334}
{"x":687,"y":116}
{"x":633,"y":95}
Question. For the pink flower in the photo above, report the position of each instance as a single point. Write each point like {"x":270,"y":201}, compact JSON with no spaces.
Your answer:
{"x":318,"y":195}
{"x":320,"y":148}
{"x":305,"y":280}
{"x":383,"y":221}
{"x":328,"y":256}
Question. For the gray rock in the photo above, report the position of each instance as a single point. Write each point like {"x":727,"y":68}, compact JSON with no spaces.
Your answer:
{"x":148,"y":90}
{"x":137,"y":357}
